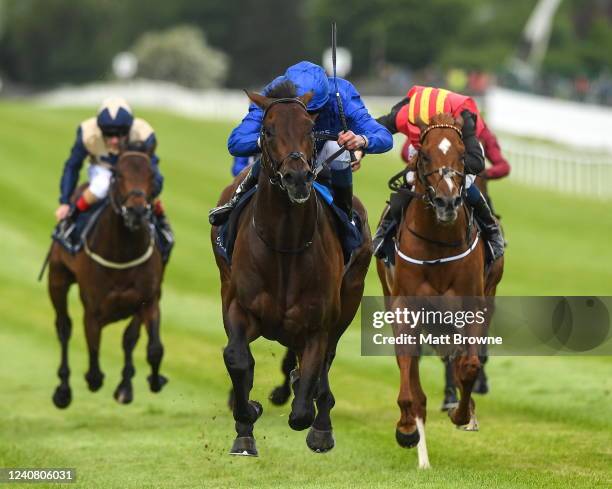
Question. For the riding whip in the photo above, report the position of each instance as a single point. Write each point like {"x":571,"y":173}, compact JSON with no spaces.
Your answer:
{"x":338,"y":98}
{"x":45,"y":263}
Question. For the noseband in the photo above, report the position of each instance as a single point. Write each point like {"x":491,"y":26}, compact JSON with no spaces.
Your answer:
{"x":444,"y":171}
{"x":273,"y":165}
{"x":119,"y":205}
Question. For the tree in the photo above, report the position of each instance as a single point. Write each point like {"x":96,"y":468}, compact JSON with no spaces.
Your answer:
{"x":180,"y":54}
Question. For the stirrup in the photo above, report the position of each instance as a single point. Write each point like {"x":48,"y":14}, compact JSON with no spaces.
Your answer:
{"x":220,"y":215}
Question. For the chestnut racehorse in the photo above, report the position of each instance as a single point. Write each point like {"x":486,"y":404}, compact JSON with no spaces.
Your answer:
{"x":435,"y":227}
{"x":287,"y":281}
{"x":119,"y":272}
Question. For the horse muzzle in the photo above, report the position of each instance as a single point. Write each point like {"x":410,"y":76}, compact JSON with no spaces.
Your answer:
{"x":298,"y":184}
{"x":135,"y":217}
{"x":446,"y":208}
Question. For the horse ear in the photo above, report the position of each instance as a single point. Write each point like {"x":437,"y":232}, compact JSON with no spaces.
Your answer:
{"x":306,"y":98}
{"x":260,"y":100}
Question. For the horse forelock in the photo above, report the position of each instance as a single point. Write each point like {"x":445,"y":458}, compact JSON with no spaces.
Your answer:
{"x":134,"y":163}
{"x":444,"y":118}
{"x":284,"y":89}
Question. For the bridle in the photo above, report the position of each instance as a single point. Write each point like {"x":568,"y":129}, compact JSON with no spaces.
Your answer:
{"x":118,"y":204}
{"x":119,"y":207}
{"x":444,"y":171}
{"x":276,"y":178}
{"x":274,"y":166}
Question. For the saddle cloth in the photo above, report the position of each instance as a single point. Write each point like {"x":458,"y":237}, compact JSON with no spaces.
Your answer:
{"x":72,"y":238}
{"x":349,"y":232}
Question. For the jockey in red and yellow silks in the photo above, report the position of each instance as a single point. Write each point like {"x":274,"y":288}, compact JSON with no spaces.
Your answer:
{"x":426,"y":102}
{"x":421,"y":104}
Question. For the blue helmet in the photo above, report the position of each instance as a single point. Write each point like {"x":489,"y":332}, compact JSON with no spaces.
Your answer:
{"x":115,"y":116}
{"x":309,"y":77}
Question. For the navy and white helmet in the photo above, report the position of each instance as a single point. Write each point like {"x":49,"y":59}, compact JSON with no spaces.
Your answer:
{"x":115,"y":116}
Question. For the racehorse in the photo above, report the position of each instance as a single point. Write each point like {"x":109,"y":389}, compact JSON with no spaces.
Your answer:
{"x":438,"y":253}
{"x":287,"y":281}
{"x":119,"y":272}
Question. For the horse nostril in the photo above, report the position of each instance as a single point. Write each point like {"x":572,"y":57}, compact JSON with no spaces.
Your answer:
{"x":288,"y":177}
{"x":310,"y":176}
{"x":457,"y":201}
{"x":439,"y":202}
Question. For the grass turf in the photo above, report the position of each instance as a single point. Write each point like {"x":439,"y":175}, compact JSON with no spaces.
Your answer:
{"x":546,"y":422}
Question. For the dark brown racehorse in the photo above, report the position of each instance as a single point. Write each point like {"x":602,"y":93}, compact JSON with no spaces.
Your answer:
{"x":287,"y":281}
{"x":435,"y":226}
{"x":119,"y":273}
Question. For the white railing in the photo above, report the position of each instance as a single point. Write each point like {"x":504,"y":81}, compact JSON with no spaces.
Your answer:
{"x":569,"y":171}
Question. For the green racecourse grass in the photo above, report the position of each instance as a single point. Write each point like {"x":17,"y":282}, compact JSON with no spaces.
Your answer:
{"x":546,"y":423}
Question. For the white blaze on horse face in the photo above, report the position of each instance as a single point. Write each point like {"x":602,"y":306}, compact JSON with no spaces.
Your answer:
{"x":449,"y":181}
{"x":444,"y":146}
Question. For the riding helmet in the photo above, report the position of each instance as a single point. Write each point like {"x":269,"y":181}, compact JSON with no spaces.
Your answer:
{"x":115,"y":116}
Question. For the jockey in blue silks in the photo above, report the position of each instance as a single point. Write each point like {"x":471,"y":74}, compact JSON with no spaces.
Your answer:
{"x":364,"y":133}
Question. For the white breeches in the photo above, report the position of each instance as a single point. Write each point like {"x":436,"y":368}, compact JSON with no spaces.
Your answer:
{"x":99,"y":180}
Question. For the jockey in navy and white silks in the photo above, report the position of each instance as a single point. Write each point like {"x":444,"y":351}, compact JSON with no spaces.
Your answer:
{"x":364,"y":133}
{"x":100,"y":139}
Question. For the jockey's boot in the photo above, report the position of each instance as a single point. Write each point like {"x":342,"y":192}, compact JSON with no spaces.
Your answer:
{"x":379,"y":236}
{"x":164,"y":226}
{"x":343,"y":198}
{"x":66,"y":225}
{"x":488,"y":224}
{"x":220,"y":215}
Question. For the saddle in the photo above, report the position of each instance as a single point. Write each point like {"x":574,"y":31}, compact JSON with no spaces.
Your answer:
{"x":72,"y":239}
{"x":349,"y":232}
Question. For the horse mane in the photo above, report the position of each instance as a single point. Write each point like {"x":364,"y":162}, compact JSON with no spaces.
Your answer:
{"x":284,"y":89}
{"x":444,"y":118}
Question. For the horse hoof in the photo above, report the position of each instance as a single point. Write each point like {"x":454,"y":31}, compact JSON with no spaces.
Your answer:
{"x":302,"y":421}
{"x":458,"y":421}
{"x":94,"y":380}
{"x":472,"y":425}
{"x":62,"y":397}
{"x":123,"y":394}
{"x":409,"y":440}
{"x":156,"y":383}
{"x":320,"y":441}
{"x":279,"y":395}
{"x":244,"y":446}
{"x":450,"y":401}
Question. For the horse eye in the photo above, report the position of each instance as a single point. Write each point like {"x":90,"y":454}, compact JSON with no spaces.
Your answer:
{"x":268,"y":132}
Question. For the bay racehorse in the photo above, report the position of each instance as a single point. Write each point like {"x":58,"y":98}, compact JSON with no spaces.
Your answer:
{"x":438,"y":253}
{"x":287,"y":281}
{"x":119,"y":272}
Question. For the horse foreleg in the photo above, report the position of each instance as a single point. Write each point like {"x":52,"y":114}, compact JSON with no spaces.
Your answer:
{"x":280,"y":394}
{"x":419,"y":410}
{"x":466,"y":372}
{"x":123,"y":393}
{"x":310,"y":368}
{"x":59,"y":284}
{"x":406,"y":432}
{"x":320,"y":437}
{"x":155,"y":349}
{"x":93,"y":331}
{"x":240,"y":365}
